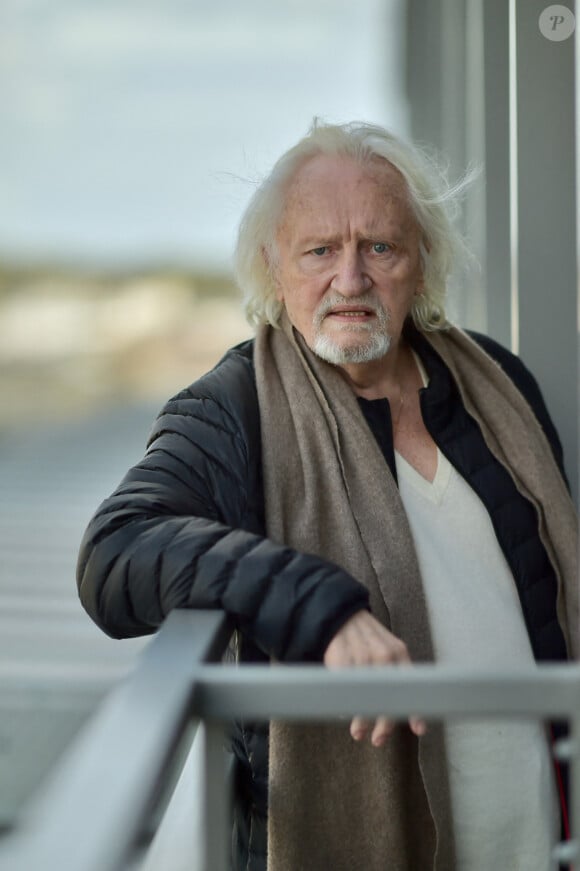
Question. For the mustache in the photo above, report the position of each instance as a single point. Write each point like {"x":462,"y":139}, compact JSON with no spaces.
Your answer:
{"x":367,"y":299}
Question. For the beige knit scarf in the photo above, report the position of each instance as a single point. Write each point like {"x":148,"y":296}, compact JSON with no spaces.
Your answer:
{"x":333,"y":803}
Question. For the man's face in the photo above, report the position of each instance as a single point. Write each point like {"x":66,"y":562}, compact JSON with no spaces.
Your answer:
{"x":348,"y":258}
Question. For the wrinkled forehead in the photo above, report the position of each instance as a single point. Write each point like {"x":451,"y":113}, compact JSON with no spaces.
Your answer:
{"x":332,"y":181}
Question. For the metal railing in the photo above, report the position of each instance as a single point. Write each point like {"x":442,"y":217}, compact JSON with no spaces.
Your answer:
{"x":95,"y":813}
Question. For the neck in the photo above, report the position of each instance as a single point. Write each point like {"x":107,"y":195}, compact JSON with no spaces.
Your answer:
{"x":379,"y":378}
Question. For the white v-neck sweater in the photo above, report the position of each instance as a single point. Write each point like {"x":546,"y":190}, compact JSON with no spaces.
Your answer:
{"x":502,"y":785}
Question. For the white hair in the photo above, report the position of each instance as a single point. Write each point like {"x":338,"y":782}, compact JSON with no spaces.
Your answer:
{"x":433,"y":200}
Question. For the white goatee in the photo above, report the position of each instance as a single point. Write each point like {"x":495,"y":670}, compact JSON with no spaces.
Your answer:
{"x":372,"y":346}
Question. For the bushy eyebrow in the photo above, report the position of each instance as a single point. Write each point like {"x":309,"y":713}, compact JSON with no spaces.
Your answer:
{"x":307,"y":243}
{"x":317,"y":241}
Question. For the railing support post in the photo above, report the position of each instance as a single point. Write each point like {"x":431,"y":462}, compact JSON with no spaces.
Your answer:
{"x":575,"y":786}
{"x":215,"y":810}
{"x":567,"y":750}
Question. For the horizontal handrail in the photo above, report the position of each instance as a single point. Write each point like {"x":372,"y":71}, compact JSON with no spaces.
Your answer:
{"x":91,"y":815}
{"x":299,"y":693}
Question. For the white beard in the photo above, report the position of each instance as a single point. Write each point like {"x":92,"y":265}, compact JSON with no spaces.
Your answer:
{"x":374,"y":348}
{"x":371,"y":347}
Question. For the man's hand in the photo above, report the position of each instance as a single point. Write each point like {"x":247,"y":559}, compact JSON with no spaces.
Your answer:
{"x":364,"y":641}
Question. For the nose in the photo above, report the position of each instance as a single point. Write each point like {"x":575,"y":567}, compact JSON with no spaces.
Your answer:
{"x":350,"y":278}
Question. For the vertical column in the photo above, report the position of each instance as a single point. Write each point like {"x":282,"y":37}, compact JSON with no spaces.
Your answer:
{"x":444,"y":83}
{"x":497,"y":257}
{"x":577,"y":393}
{"x":546,"y":216}
{"x":216,"y":846}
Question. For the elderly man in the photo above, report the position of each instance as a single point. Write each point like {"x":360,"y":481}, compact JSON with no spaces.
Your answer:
{"x":362,"y":484}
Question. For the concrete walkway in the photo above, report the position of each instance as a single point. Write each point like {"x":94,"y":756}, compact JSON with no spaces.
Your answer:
{"x":55,"y":664}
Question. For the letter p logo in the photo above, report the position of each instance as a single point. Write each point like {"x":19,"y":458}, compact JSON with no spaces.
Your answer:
{"x":557,"y":23}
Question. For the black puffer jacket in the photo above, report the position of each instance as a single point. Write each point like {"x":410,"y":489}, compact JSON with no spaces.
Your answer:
{"x":185,"y":528}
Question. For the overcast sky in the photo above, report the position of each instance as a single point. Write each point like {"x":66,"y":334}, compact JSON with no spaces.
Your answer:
{"x":131,"y":130}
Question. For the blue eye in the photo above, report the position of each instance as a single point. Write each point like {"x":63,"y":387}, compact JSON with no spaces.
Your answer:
{"x":380,"y":247}
{"x":319,"y":252}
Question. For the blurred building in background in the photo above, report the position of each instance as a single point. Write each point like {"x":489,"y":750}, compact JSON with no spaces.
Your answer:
{"x":133,"y":135}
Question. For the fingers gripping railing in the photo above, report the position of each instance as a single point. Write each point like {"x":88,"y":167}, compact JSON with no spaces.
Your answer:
{"x":103,"y":796}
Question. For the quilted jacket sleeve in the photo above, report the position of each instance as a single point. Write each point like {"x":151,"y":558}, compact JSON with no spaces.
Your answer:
{"x":183,"y":531}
